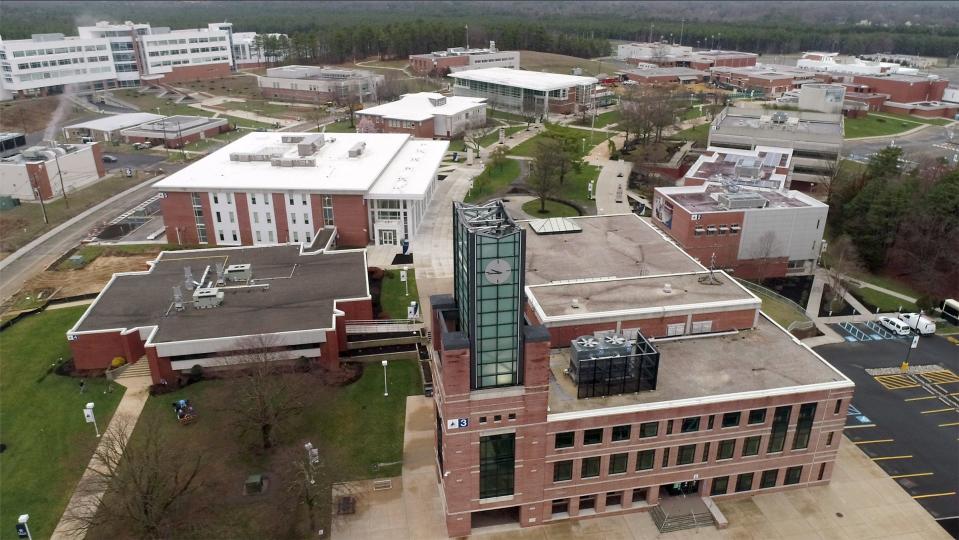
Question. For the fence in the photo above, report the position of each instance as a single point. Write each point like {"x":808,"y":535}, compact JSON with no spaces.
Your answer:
{"x":786,"y":312}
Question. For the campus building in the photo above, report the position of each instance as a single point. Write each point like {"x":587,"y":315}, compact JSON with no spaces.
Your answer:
{"x":247,"y":52}
{"x":277,"y":187}
{"x":320,"y":84}
{"x":762,"y":80}
{"x":460,"y":58}
{"x":849,"y":65}
{"x":671,"y":55}
{"x":526,"y":92}
{"x":815,"y":139}
{"x":665,"y":75}
{"x":175,"y":131}
{"x":603,"y":395}
{"x":210,"y":307}
{"x":425,"y":115}
{"x":46,"y":170}
{"x":107,"y":128}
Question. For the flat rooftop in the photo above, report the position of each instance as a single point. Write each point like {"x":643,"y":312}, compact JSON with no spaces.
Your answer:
{"x":619,"y":245}
{"x":761,"y":360}
{"x":179,"y":123}
{"x":530,"y":80}
{"x":303,"y":290}
{"x":705,"y":198}
{"x":116,"y":121}
{"x":423,"y":106}
{"x":637,"y":294}
{"x":757,"y":168}
{"x":390,"y":163}
{"x":757,"y":118}
{"x":667,"y":71}
{"x":764,"y":71}
{"x":317,"y":73}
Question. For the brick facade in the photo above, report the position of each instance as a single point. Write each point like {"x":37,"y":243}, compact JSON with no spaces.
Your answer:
{"x":177,"y":210}
{"x":426,"y":63}
{"x":350,"y":215}
{"x":196,"y":73}
{"x":905,"y":90}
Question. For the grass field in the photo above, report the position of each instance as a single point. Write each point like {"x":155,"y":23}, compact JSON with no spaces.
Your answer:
{"x":33,"y":114}
{"x":873,"y":125}
{"x":778,"y":309}
{"x":553,"y":209}
{"x":602,"y":120}
{"x":698,"y":134}
{"x":340,"y":127}
{"x":526,"y":147}
{"x":355,"y":427}
{"x":148,"y":102}
{"x":872,"y":299}
{"x":490,"y":181}
{"x":48,"y":443}
{"x":915,"y":119}
{"x":393,"y":298}
{"x":237,"y":86}
{"x":20,"y":225}
{"x":558,"y":63}
{"x":574,"y":187}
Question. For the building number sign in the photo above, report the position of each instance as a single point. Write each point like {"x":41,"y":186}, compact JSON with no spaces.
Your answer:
{"x":456,"y":423}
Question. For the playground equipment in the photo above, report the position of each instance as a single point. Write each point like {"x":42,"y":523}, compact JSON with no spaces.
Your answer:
{"x":185,"y":413}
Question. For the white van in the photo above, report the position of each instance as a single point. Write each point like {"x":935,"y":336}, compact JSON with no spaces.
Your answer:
{"x":895,"y":326}
{"x":917,"y":322}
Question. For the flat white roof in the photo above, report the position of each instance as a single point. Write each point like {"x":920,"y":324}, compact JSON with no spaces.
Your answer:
{"x":334,"y":171}
{"x":418,"y":107}
{"x":117,"y":121}
{"x":530,"y":80}
{"x":411,"y":172}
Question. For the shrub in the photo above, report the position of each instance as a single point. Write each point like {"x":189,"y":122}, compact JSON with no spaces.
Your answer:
{"x":196,"y":373}
{"x":117,"y":362}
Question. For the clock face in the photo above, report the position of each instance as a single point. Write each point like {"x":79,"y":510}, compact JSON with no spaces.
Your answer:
{"x":497,"y":271}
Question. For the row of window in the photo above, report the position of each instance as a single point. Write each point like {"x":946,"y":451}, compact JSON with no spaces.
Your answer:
{"x":58,"y":50}
{"x":62,"y":73}
{"x":768,"y":479}
{"x":755,"y":417}
{"x":713,"y":230}
{"x":62,"y":62}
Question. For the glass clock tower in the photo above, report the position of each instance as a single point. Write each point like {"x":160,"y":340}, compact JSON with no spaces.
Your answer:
{"x":489,"y":261}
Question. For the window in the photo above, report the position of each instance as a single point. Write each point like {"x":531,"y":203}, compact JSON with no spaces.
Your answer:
{"x":829,"y":439}
{"x":669,"y":427}
{"x":780,"y":423}
{"x":482,"y":419}
{"x":511,"y":416}
{"x":234,"y":236}
{"x":560,"y":506}
{"x":216,"y":199}
{"x":677,"y":329}
{"x":564,"y":440}
{"x":731,"y":419}
{"x":498,"y":418}
{"x":665,"y":457}
{"x":291,"y":199}
{"x":757,"y":416}
{"x":593,"y":436}
{"x":720,"y":485}
{"x":587,"y":502}
{"x":617,"y":463}
{"x":621,"y":433}
{"x":751,"y":445}
{"x":686,"y":454}
{"x":613,"y":499}
{"x":744,"y":482}
{"x":303,"y":199}
{"x":648,"y":429}
{"x":269,"y":234}
{"x":327,"y":210}
{"x":822,"y":470}
{"x":838,"y":406}
{"x":726,"y":449}
{"x":232,"y":217}
{"x":690,"y":425}
{"x":645,"y":459}
{"x":292,"y":218}
{"x":590,"y":467}
{"x":706,"y":452}
{"x":807,"y":414}
{"x":252,"y":198}
{"x":220,"y":234}
{"x":258,"y":238}
{"x":792,"y":475}
{"x":296,"y":236}
{"x":711,"y":422}
{"x":269,"y":218}
{"x":563,"y":470}
{"x":256,"y":217}
{"x":497,"y":464}
{"x":218,"y":219}
{"x":768,"y":479}
{"x":306,"y":218}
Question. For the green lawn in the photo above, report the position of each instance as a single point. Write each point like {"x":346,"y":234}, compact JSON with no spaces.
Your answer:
{"x":692,"y":112}
{"x":873,"y":125}
{"x":458,"y":145}
{"x":393,"y":298}
{"x":916,"y":119}
{"x":602,"y":119}
{"x":886,"y":303}
{"x":575,"y":185}
{"x":779,"y":310}
{"x":553,"y":209}
{"x":698,"y":134}
{"x":504,"y":115}
{"x":340,"y":127}
{"x":48,"y":443}
{"x":218,"y":141}
{"x":526,"y":148}
{"x":489,"y":182}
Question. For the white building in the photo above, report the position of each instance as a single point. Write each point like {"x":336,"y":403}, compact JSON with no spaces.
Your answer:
{"x":416,"y":114}
{"x":107,"y":128}
{"x":47,"y":170}
{"x":461,"y":58}
{"x":47,"y":62}
{"x":275,"y":188}
{"x":246,"y":51}
{"x":833,"y":63}
{"x":319,"y":84}
{"x":526,"y":91}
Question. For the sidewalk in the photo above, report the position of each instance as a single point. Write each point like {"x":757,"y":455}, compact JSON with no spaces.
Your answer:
{"x":126,"y":415}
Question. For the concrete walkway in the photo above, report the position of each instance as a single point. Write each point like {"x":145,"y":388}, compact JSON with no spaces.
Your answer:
{"x":125,"y":417}
{"x":613,"y":176}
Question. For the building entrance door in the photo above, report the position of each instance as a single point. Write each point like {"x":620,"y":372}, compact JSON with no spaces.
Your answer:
{"x":387,"y":237}
{"x":681,"y":488}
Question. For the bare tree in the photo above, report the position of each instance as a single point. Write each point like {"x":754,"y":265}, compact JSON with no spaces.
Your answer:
{"x":308,"y":485}
{"x":471,"y":139}
{"x":838,"y":274}
{"x":544,"y":170}
{"x":764,"y":251}
{"x":133,"y":484}
{"x":497,"y":157}
{"x":266,"y":397}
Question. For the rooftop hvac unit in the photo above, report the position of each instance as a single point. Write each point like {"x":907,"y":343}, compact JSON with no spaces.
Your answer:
{"x":291,"y":139}
{"x":738,"y":201}
{"x":438,"y":101}
{"x":238,"y":272}
{"x":357,"y":149}
{"x":612,"y":364}
{"x":310,"y":144}
{"x":748,"y":169}
{"x":779,"y":117}
{"x":208,"y":297}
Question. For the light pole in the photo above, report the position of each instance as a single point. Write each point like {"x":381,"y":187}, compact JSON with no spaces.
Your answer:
{"x":386,"y":391}
{"x":90,"y":418}
{"x":583,"y":149}
{"x":23,"y":530}
{"x":404,"y":277}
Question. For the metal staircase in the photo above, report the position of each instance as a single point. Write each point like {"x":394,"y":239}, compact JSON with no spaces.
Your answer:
{"x":685,"y":515}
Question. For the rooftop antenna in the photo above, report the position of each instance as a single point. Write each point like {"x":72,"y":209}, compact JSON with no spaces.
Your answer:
{"x":177,"y":299}
{"x":188,"y":278}
{"x":711,"y":278}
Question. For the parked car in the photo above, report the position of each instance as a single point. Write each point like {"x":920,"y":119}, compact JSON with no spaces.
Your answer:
{"x":142,"y":145}
{"x":919,"y":323}
{"x":895,"y":326}
{"x":107,"y":158}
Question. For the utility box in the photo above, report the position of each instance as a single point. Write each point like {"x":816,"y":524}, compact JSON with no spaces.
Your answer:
{"x":207,"y":298}
{"x":254,"y":484}
{"x":238,"y":273}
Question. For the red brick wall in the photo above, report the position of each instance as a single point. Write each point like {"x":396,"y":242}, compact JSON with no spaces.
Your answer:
{"x":96,"y":351}
{"x":904,"y":91}
{"x":350,"y":217}
{"x":316,"y":208}
{"x":39,"y":179}
{"x":243,"y":219}
{"x":279,"y":218}
{"x":177,"y":210}
{"x":98,"y":159}
{"x":160,"y":368}
{"x":726,"y":247}
{"x":655,"y":326}
{"x":744,"y":61}
{"x":754,"y":268}
{"x":197,"y":73}
{"x":423,"y":65}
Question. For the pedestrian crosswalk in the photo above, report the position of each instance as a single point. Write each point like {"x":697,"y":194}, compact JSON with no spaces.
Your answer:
{"x":945,"y":376}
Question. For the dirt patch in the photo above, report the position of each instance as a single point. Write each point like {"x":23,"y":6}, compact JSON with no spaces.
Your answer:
{"x":33,"y":114}
{"x":90,"y":279}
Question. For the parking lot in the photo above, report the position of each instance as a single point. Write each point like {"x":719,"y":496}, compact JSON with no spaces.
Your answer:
{"x":907,"y":422}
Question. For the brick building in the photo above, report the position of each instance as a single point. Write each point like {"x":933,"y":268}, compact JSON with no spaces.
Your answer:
{"x":671,"y":55}
{"x":175,"y":131}
{"x":426,"y":115}
{"x":754,"y":232}
{"x":45,"y":171}
{"x":529,"y":92}
{"x":663,"y":393}
{"x":320,"y":84}
{"x":277,"y":187}
{"x":457,"y":58}
{"x":766,"y":80}
{"x":194,"y":308}
{"x":666,"y":75}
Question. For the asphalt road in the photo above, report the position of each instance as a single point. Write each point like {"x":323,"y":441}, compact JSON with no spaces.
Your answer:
{"x":932,"y":141}
{"x":903,"y":424}
{"x":19,"y":271}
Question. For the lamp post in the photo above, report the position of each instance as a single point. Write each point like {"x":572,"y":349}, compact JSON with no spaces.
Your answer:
{"x":386,"y":391}
{"x":23,"y":530}
{"x":404,"y":277}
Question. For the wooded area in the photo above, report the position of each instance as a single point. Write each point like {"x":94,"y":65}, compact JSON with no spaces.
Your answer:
{"x":334,"y":32}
